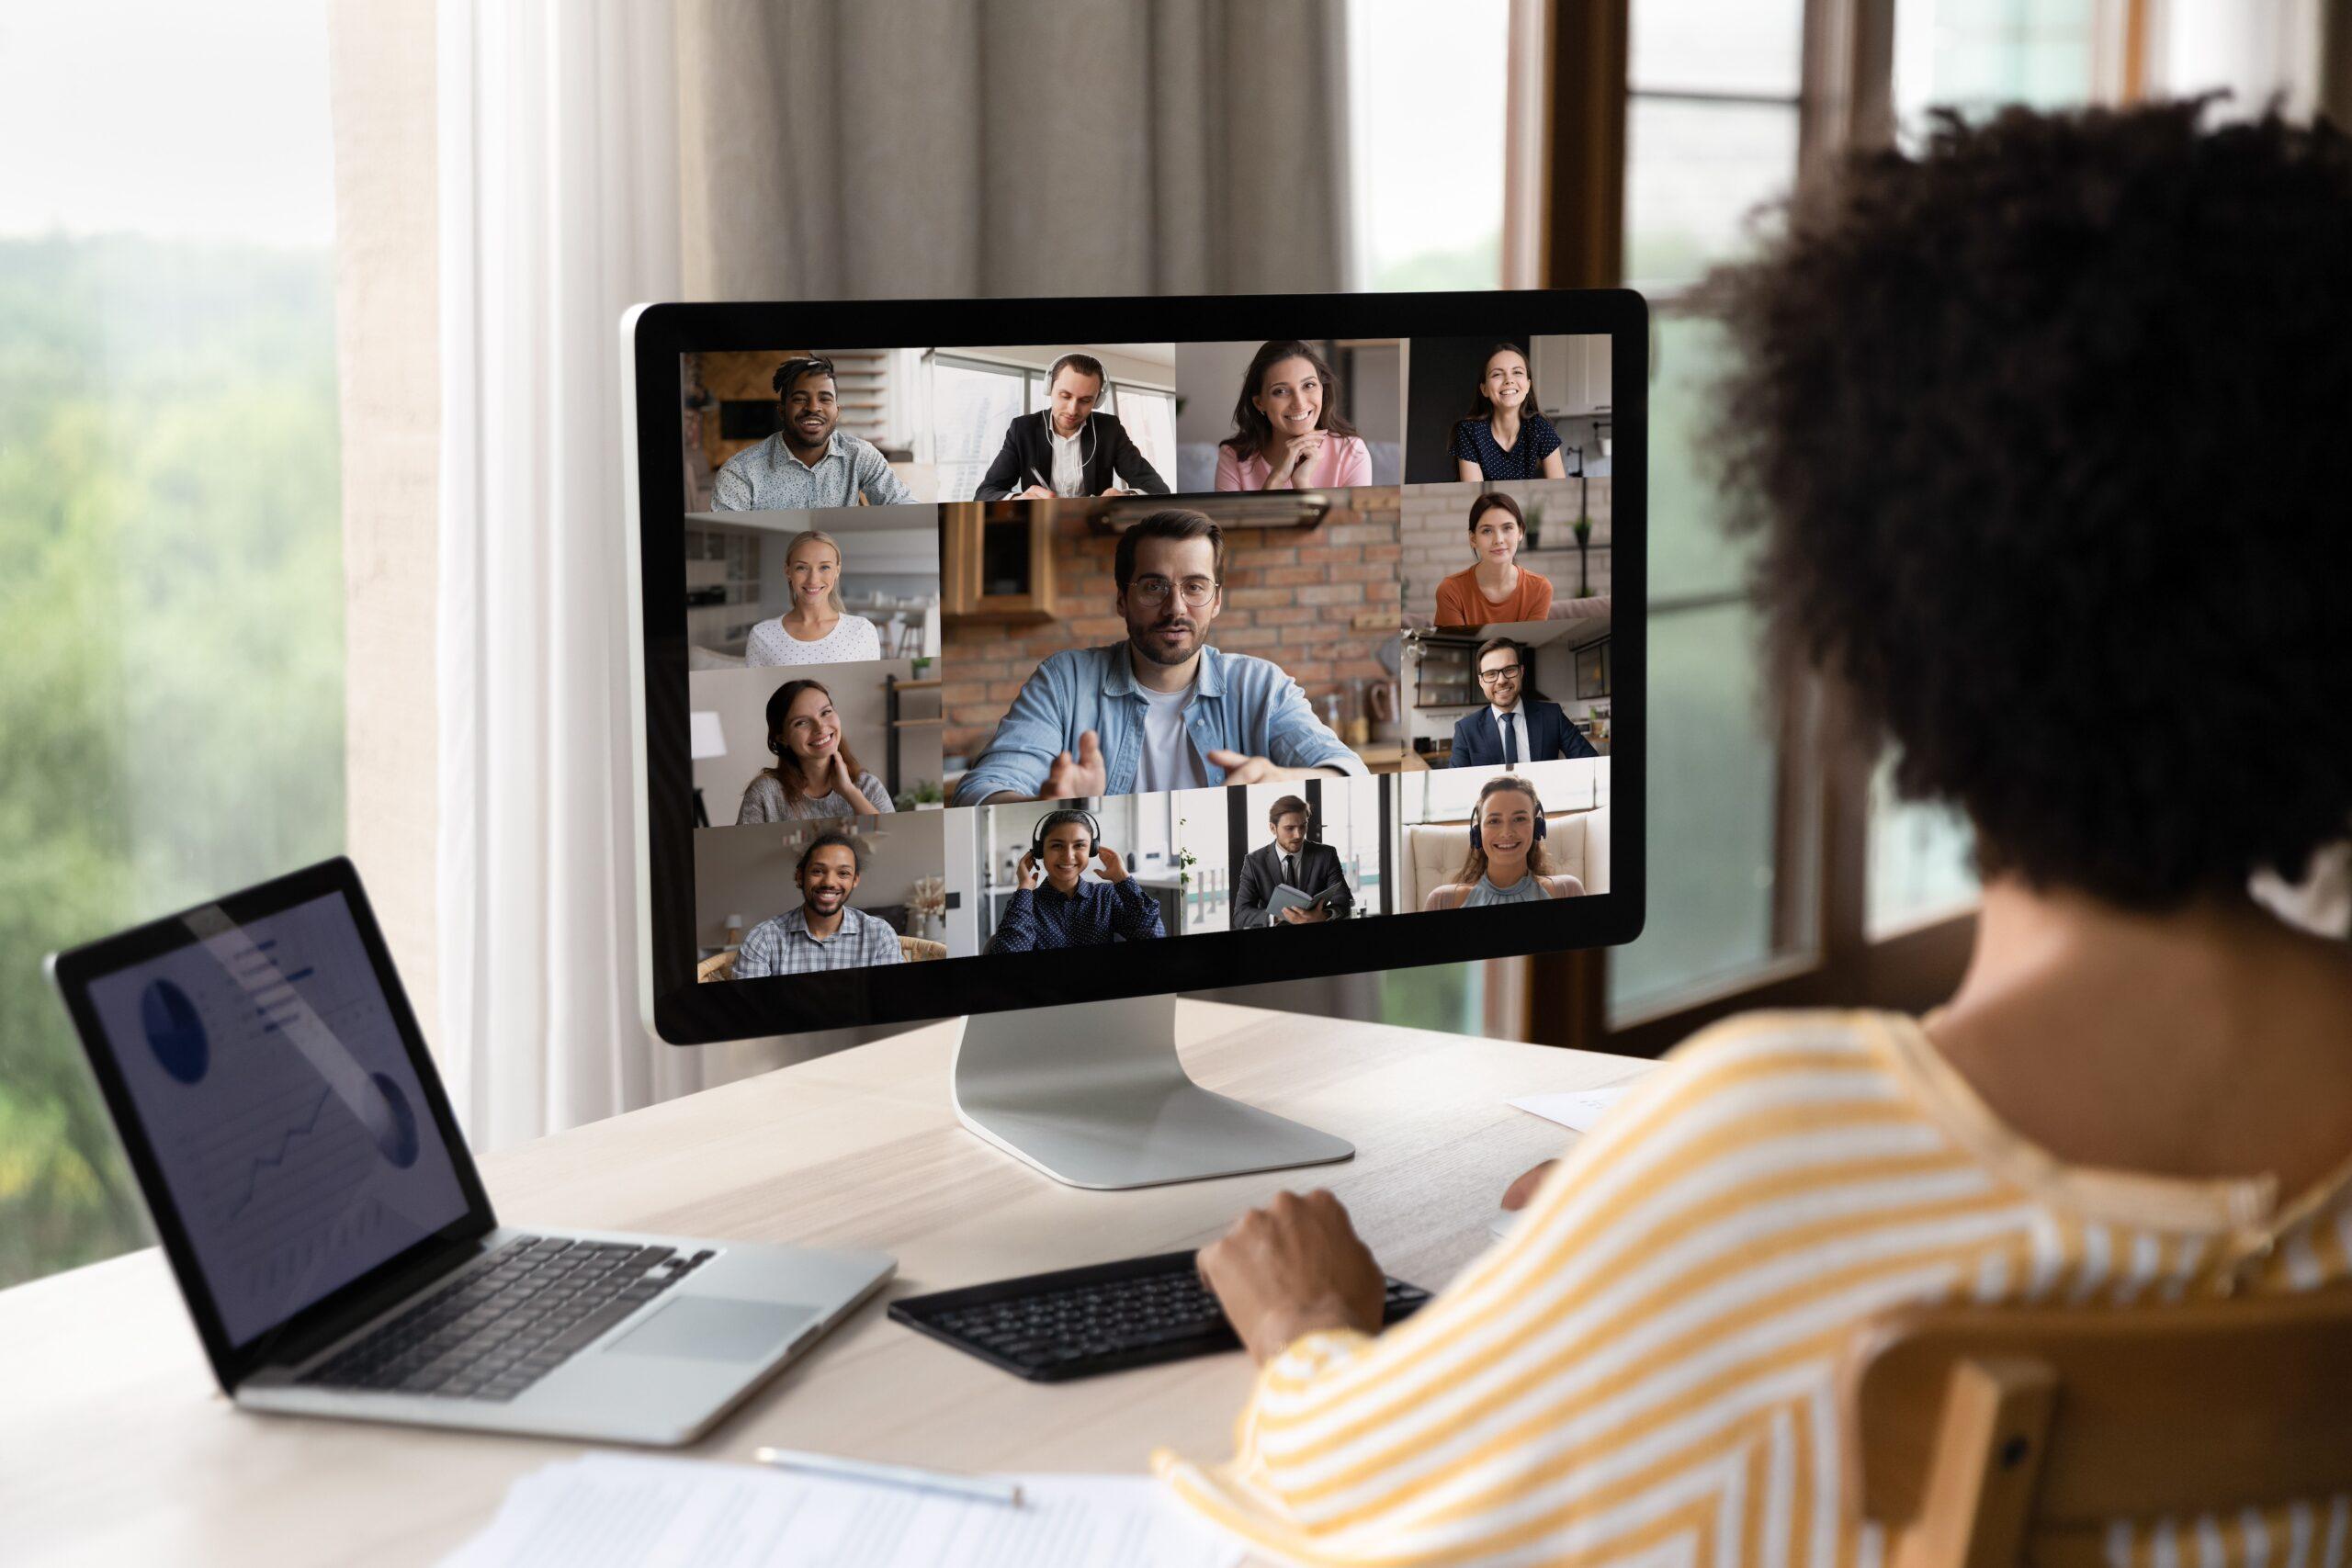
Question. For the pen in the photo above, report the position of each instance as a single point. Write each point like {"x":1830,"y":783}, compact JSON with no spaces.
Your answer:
{"x":976,"y":1487}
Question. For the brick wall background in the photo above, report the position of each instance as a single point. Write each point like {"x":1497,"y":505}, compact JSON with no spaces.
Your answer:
{"x":1433,"y":534}
{"x":1318,"y":602}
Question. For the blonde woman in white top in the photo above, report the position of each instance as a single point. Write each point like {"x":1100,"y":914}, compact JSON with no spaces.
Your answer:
{"x":819,"y":628}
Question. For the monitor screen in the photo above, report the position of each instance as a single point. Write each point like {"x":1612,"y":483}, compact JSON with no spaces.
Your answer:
{"x":983,"y":672}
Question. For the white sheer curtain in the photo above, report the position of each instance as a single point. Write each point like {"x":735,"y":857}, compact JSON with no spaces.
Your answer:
{"x":561,"y":202}
{"x":559,"y":208}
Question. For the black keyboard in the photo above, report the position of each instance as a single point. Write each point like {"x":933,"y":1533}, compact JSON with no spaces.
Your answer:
{"x":508,"y":1320}
{"x":1078,"y":1322}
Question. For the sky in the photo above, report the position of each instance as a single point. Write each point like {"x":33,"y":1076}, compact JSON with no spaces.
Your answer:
{"x":165,"y":120}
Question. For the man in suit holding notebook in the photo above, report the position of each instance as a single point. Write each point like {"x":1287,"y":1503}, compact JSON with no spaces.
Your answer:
{"x":1290,"y":861}
{"x":1511,"y":729}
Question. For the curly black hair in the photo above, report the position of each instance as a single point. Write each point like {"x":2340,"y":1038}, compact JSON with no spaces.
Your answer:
{"x":2042,"y":433}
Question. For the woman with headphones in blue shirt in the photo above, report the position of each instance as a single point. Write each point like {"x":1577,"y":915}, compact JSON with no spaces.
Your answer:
{"x":1068,"y":910}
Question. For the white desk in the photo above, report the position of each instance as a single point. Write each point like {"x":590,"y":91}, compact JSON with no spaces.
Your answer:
{"x":116,"y":1448}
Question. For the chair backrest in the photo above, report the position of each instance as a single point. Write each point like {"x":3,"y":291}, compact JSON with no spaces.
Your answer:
{"x":718,"y":966}
{"x":920,"y":949}
{"x":1969,"y":1431}
{"x":1435,"y":850}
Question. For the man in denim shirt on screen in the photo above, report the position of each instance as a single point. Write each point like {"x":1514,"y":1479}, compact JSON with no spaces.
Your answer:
{"x":1162,"y":710}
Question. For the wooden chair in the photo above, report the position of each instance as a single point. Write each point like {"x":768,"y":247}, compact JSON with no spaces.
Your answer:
{"x":1969,"y":1431}
{"x":718,"y":966}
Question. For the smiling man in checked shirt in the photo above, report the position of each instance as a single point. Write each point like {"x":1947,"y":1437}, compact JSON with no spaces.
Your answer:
{"x":824,"y":932}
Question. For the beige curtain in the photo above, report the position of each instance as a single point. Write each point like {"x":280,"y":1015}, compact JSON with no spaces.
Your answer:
{"x":845,"y":148}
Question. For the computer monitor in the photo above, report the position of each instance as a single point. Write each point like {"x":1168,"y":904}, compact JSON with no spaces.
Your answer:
{"x":1032,"y":661}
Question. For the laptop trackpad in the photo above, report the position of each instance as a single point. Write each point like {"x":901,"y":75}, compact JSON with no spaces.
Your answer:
{"x":714,"y":1329}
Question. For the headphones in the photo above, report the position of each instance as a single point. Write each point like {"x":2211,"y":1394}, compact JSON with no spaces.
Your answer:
{"x":1055,"y":817}
{"x":1477,"y":841}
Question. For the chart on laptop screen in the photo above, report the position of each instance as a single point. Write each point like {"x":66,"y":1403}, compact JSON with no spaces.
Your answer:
{"x":273,"y":1085}
{"x":998,"y":650}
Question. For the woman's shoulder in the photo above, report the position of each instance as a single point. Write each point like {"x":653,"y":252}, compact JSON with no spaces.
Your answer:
{"x":762,"y":800}
{"x":768,"y":644}
{"x":1563,"y":885}
{"x":1849,"y":1052}
{"x":1447,"y":895}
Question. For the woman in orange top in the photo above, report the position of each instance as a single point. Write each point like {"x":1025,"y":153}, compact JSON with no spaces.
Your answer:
{"x":1495,"y":588}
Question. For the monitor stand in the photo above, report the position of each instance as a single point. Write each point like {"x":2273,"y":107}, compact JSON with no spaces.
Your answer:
{"x":1093,"y":1095}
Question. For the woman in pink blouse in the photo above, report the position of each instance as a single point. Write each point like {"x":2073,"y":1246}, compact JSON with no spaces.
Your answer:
{"x":1288,"y":433}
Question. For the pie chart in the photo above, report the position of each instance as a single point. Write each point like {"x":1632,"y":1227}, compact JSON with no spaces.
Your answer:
{"x":174,"y":1031}
{"x":391,"y":1121}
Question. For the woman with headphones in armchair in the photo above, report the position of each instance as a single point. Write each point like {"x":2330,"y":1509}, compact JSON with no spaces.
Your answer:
{"x":1506,"y":863}
{"x":1068,"y":910}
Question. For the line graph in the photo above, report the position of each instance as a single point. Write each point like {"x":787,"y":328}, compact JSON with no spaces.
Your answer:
{"x":275,"y":1159}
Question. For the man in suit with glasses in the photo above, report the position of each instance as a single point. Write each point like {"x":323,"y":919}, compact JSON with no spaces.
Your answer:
{"x":1512,"y":729}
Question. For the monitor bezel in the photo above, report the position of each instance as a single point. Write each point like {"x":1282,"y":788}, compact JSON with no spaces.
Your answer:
{"x":684,"y":1011}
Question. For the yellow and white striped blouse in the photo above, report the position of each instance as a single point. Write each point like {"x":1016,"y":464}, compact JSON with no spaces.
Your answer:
{"x":1644,"y":1371}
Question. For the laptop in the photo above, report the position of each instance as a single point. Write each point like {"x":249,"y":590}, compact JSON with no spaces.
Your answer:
{"x":326,"y":1224}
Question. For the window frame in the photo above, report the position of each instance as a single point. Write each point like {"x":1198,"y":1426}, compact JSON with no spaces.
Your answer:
{"x":1822,"y":951}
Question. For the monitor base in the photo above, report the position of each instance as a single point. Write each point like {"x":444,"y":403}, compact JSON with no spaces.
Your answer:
{"x":1093,"y":1095}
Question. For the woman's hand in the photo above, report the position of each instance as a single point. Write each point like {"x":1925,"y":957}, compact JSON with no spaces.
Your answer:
{"x":1301,"y":452}
{"x":1516,"y":1195}
{"x":844,"y":782}
{"x":1290,"y":1269}
{"x":1114,"y":868}
{"x":1026,"y":872}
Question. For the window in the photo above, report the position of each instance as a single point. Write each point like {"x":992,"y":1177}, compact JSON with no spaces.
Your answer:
{"x":1149,"y":415}
{"x":171,"y":556}
{"x":1712,"y":105}
{"x":1426,"y":121}
{"x":972,"y":402}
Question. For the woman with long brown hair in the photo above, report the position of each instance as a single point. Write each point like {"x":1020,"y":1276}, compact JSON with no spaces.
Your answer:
{"x":1288,"y":431}
{"x":1505,"y":434}
{"x":1494,"y":587}
{"x":1507,"y":863}
{"x":816,"y":774}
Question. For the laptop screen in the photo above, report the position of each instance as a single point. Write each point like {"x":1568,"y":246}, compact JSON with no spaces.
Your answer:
{"x":265,"y":1068}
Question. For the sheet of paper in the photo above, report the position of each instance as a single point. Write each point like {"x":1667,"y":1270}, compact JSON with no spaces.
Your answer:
{"x":1581,"y":1109}
{"x":622,"y":1510}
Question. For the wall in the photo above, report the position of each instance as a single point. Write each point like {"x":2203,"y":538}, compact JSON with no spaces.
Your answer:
{"x":747,"y":871}
{"x":380,"y":64}
{"x":1208,"y":378}
{"x":1433,"y":535}
{"x":739,"y":698}
{"x":1318,"y":602}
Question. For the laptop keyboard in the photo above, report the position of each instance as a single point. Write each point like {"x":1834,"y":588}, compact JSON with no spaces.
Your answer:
{"x":506,"y":1323}
{"x":1076,"y":1323}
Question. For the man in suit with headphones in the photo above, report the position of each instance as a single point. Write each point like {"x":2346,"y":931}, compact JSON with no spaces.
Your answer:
{"x":1291,"y":860}
{"x":1068,"y":449}
{"x":1511,"y":729}
{"x":1064,"y":909}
